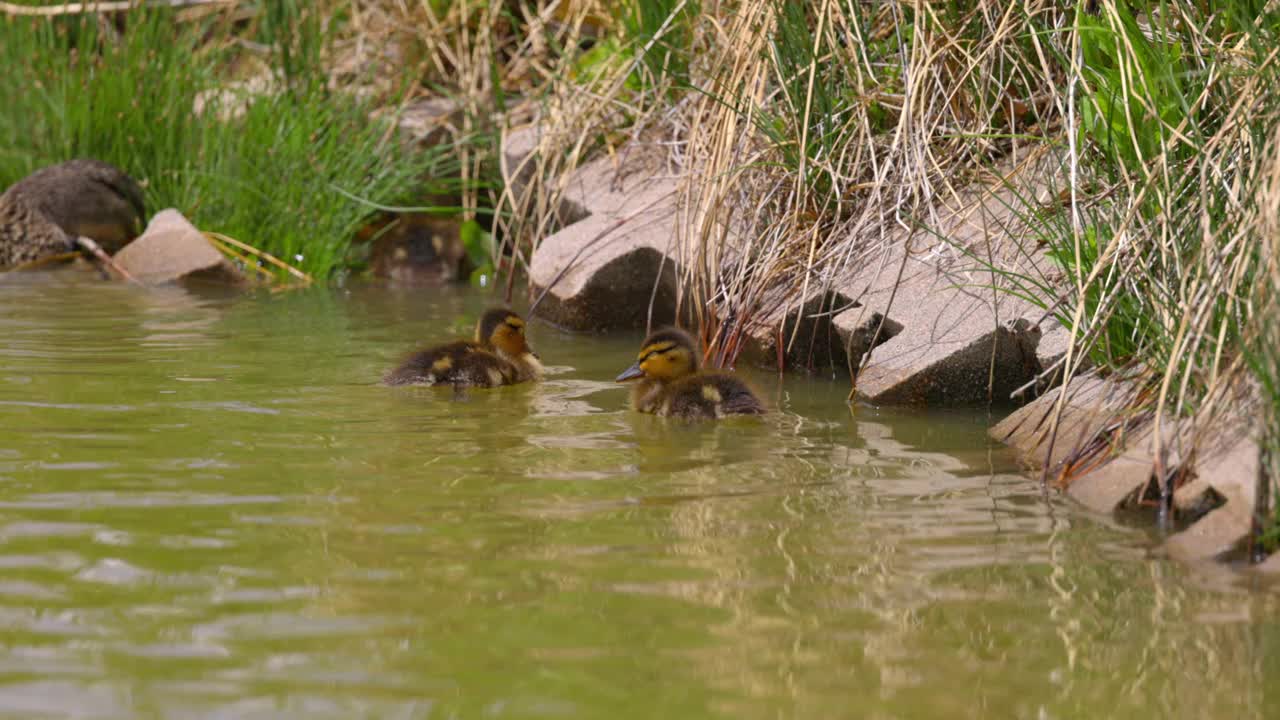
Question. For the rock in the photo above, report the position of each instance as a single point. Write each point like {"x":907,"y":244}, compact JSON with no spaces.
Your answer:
{"x":172,"y":249}
{"x":960,"y":332}
{"x":1117,"y":483}
{"x":86,"y":197}
{"x":861,"y":333}
{"x":1220,"y":534}
{"x":808,"y":337}
{"x":947,"y":344}
{"x":1226,"y":474}
{"x":600,"y":272}
{"x":1222,"y":449}
{"x":609,"y":184}
{"x":1090,"y":404}
{"x":430,"y":122}
{"x":1054,"y":342}
{"x":232,"y":101}
{"x":1196,"y":499}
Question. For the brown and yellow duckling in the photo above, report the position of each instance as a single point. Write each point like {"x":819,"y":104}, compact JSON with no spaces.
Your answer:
{"x":499,"y":355}
{"x":671,"y":385}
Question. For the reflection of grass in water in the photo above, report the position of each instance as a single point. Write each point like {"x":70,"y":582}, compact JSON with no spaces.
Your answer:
{"x":271,"y":177}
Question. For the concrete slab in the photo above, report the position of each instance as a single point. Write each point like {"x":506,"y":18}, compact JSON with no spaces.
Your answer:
{"x":1090,"y":404}
{"x":1114,"y":485}
{"x":518,"y":161}
{"x":429,"y":122}
{"x":806,"y":334}
{"x":965,"y":338}
{"x":601,"y":273}
{"x":1220,"y":533}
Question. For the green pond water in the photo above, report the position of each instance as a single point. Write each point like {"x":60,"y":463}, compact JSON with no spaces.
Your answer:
{"x":209,"y":508}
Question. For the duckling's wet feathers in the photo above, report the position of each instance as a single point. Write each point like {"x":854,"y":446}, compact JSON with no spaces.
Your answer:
{"x":499,"y":355}
{"x":708,"y":395}
{"x":670,"y":384}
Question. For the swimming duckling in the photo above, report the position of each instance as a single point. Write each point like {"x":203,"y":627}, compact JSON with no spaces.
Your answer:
{"x":672,"y":386}
{"x":499,"y":355}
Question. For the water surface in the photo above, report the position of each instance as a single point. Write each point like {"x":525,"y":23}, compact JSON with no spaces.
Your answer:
{"x":210,"y":509}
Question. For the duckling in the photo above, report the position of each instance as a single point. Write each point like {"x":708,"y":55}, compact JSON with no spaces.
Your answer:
{"x":499,"y":355}
{"x":671,"y":385}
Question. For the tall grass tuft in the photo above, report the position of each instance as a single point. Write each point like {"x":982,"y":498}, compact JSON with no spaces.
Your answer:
{"x":277,"y":170}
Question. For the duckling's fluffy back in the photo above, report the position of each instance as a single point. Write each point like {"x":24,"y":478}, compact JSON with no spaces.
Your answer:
{"x":461,"y":363}
{"x":705,"y":396}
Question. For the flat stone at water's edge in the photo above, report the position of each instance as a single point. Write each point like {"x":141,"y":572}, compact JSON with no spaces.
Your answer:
{"x":1222,"y":453}
{"x":170,"y":249}
{"x":1089,"y":403}
{"x":602,"y":271}
{"x":957,"y":330}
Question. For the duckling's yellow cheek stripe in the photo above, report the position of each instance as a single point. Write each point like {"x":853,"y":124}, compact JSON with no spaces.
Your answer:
{"x":442,"y":364}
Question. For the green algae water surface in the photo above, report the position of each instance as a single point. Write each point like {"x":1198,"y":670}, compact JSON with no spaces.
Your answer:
{"x":209,"y":508}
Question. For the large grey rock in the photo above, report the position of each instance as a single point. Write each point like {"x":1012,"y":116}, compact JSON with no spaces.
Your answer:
{"x":1225,"y":475}
{"x":609,"y":185}
{"x":603,"y":270}
{"x":947,"y":344}
{"x":1221,"y":533}
{"x":1114,"y":467}
{"x":801,"y":336}
{"x":232,"y":100}
{"x":959,"y":329}
{"x":172,"y":249}
{"x":519,"y":159}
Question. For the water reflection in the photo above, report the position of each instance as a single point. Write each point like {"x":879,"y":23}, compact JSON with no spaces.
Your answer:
{"x":210,"y":508}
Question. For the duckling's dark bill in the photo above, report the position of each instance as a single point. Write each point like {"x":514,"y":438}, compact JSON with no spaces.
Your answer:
{"x":630,"y":373}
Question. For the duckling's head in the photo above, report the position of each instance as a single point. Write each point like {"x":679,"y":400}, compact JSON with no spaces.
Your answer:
{"x":666,"y":355}
{"x":503,"y":330}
